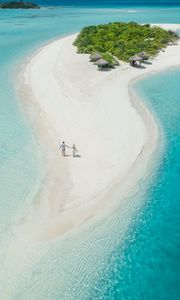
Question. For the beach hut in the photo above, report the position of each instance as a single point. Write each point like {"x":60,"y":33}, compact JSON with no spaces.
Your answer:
{"x":144,"y":55}
{"x":95,"y":56}
{"x":102,"y":64}
{"x":134,"y":59}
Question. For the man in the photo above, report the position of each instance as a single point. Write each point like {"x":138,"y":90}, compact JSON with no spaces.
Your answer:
{"x":63,"y":146}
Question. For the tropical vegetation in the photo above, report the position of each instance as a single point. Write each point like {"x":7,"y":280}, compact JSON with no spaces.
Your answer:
{"x":18,"y":4}
{"x":123,"y":40}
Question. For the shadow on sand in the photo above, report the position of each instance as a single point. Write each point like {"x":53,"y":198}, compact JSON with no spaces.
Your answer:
{"x":77,"y":155}
{"x":138,"y":66}
{"x":147,"y":62}
{"x":141,"y":67}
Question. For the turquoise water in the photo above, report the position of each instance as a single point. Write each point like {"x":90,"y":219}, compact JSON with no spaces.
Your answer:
{"x":91,"y":264}
{"x":149,"y":265}
{"x":108,"y":3}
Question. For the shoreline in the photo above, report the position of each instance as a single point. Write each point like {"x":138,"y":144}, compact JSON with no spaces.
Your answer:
{"x":56,"y":211}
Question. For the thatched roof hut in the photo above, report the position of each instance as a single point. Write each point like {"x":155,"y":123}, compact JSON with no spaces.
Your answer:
{"x":135,"y":58}
{"x":95,"y":56}
{"x":102,"y":64}
{"x":144,"y":55}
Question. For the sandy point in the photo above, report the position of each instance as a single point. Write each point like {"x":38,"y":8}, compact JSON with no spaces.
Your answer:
{"x":114,"y":132}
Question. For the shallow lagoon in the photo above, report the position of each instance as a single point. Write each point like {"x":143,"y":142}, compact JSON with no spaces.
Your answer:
{"x":151,"y":246}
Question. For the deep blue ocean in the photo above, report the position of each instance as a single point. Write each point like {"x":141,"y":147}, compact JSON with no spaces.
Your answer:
{"x":107,"y":3}
{"x":105,"y":259}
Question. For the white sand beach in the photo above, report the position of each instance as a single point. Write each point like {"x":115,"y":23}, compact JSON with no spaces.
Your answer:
{"x":69,"y":100}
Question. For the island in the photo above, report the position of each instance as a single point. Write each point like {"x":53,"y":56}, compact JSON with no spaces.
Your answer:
{"x":109,"y":43}
{"x":116,"y":135}
{"x":19,"y":4}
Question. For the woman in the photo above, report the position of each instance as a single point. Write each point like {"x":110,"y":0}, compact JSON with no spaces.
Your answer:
{"x":74,"y":150}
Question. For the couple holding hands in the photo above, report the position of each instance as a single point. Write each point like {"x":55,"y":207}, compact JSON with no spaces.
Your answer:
{"x":63,"y":147}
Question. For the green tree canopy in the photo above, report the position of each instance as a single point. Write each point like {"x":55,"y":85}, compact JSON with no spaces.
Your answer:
{"x":123,"y":39}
